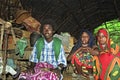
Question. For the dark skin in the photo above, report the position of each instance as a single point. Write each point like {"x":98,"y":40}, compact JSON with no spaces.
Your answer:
{"x":84,"y":48}
{"x":93,"y":51}
{"x":85,"y":39}
{"x":48,"y":32}
{"x":48,"y":35}
{"x":102,"y":40}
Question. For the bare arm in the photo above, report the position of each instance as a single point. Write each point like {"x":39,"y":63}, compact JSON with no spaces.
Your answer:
{"x":93,"y":51}
{"x":69,"y":57}
{"x":72,"y":53}
{"x":30,"y":68}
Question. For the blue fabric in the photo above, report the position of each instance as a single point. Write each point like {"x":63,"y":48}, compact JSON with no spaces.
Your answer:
{"x":48,"y":55}
{"x":11,"y":63}
{"x":79,"y":44}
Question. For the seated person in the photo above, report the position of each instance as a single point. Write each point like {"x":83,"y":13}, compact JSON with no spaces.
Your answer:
{"x":107,"y":63}
{"x":82,"y":54}
{"x":48,"y":56}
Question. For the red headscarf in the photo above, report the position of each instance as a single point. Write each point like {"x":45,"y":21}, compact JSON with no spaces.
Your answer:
{"x":106,"y":34}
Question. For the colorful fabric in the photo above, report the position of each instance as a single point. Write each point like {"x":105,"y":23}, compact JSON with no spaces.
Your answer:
{"x":104,"y":31}
{"x":111,"y":46}
{"x":102,"y":63}
{"x":113,"y":72}
{"x":105,"y":60}
{"x":107,"y":67}
{"x":56,"y":46}
{"x":48,"y":55}
{"x":41,"y":73}
{"x":84,"y":60}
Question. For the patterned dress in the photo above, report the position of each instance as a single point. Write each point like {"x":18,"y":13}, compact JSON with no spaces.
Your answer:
{"x":107,"y":64}
{"x":82,"y":62}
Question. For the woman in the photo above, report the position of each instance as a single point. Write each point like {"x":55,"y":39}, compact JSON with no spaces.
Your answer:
{"x":83,"y":52}
{"x":80,"y":43}
{"x":107,"y":64}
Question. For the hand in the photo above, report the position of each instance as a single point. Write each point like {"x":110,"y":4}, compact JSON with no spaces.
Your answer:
{"x":30,"y":70}
{"x":57,"y":71}
{"x":80,"y":49}
{"x":86,"y":49}
{"x":93,"y":51}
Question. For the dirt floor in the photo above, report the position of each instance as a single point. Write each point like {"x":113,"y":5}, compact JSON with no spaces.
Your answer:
{"x":70,"y":75}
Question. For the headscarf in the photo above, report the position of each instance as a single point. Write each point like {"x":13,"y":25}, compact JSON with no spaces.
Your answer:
{"x":106,"y":34}
{"x":79,"y":42}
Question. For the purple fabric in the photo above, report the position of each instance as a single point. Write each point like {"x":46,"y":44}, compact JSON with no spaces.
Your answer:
{"x":40,"y":74}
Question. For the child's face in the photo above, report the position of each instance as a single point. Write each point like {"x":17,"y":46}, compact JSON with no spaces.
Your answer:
{"x":101,"y":38}
{"x":85,"y":38}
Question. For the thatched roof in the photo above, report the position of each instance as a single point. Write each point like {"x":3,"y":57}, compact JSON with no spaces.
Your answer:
{"x":73,"y":15}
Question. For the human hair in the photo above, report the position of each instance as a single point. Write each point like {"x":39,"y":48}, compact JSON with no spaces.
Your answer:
{"x":49,"y":22}
{"x":91,"y":42}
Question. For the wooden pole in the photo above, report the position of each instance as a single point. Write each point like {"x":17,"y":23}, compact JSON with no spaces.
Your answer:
{"x":5,"y":54}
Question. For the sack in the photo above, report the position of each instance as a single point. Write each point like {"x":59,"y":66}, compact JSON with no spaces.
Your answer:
{"x":21,"y":15}
{"x":34,"y":36}
{"x":31,"y":24}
